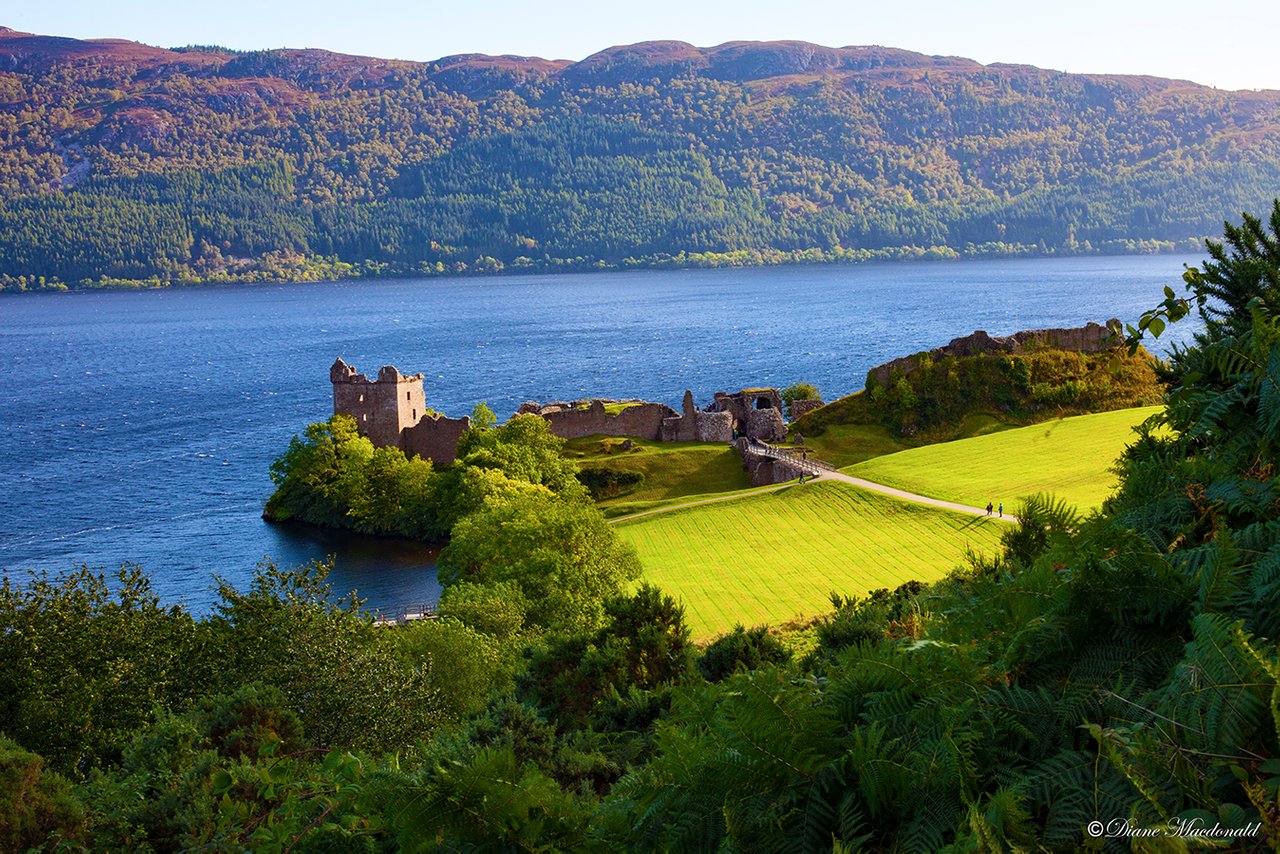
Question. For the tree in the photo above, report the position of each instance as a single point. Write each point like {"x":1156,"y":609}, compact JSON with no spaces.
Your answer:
{"x":798,"y":391}
{"x":525,"y":449}
{"x":1245,"y":266}
{"x":482,"y":417}
{"x":562,"y":554}
{"x":642,"y":645}
{"x":37,"y":805}
{"x":338,"y":670}
{"x":84,"y":661}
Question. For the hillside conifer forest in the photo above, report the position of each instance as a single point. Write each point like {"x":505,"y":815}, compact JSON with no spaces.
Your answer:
{"x":126,"y":164}
{"x":1101,"y":673}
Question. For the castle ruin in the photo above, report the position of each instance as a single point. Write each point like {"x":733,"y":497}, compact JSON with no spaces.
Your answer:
{"x":695,"y":425}
{"x":391,"y":412}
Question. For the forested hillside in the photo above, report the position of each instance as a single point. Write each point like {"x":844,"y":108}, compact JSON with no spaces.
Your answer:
{"x":124,"y":162}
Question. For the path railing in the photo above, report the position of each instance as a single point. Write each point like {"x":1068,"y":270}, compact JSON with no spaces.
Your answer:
{"x":407,"y":614}
{"x":798,"y":460}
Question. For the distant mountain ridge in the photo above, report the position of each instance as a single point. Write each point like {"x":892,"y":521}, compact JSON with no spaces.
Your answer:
{"x":122,"y":162}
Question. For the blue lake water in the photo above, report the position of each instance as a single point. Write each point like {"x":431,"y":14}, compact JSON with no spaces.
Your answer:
{"x":139,"y":426}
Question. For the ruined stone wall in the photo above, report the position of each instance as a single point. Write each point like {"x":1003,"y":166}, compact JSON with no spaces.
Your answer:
{"x":1090,"y":338}
{"x":684,"y":427}
{"x":383,"y":408}
{"x":641,"y":420}
{"x":766,"y":425}
{"x":436,"y":438}
{"x":801,"y":408}
{"x":743,"y":405}
{"x":713,"y":427}
{"x":697,"y":426}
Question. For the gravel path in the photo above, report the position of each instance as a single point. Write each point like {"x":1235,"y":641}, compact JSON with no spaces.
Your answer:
{"x":831,"y":475}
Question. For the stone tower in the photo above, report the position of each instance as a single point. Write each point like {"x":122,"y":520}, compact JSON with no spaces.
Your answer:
{"x":383,"y":408}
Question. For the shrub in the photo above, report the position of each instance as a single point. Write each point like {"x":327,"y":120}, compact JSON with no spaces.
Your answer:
{"x":604,"y":482}
{"x":748,"y":649}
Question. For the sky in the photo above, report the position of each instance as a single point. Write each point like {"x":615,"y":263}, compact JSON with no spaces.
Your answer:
{"x":1231,"y":46}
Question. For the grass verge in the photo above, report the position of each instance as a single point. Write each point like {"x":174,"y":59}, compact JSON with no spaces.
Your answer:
{"x":1069,"y":457}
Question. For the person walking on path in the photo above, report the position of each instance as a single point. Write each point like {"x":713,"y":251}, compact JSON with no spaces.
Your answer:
{"x":1001,"y":509}
{"x":988,"y":508}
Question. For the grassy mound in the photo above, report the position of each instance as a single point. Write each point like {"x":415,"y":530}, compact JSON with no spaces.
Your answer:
{"x":669,"y":470}
{"x":950,"y":397}
{"x":1069,"y":457}
{"x":769,"y":557}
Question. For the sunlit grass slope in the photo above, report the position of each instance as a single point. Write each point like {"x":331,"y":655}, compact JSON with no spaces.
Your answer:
{"x":770,"y":557}
{"x":1070,"y":458}
{"x":672,"y":470}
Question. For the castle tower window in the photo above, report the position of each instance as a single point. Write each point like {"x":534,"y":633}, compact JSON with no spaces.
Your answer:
{"x":764,"y":403}
{"x":407,"y":395}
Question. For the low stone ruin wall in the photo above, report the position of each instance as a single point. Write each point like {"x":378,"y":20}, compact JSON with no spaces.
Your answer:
{"x":639,"y":420}
{"x":766,"y":425}
{"x":697,"y":426}
{"x":436,"y":438}
{"x":801,"y":408}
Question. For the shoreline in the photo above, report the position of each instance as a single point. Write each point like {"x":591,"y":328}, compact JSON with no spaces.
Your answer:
{"x":732,"y":260}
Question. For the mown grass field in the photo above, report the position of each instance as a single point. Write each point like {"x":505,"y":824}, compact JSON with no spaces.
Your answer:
{"x":770,"y":557}
{"x":672,"y":470}
{"x":1070,"y":457}
{"x":850,"y":443}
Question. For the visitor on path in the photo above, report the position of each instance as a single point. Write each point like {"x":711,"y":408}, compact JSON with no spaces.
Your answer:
{"x":1001,"y":509}
{"x":988,"y":508}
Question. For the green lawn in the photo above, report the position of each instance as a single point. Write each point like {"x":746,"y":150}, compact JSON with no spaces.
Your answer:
{"x":768,"y":558}
{"x":1070,"y":458}
{"x":846,"y":444}
{"x":672,"y":470}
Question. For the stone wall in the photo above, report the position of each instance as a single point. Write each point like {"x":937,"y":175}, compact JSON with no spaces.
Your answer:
{"x":639,"y":420}
{"x":801,"y":408}
{"x":697,"y":426}
{"x":436,"y":438}
{"x":766,"y":425}
{"x":1090,"y":338}
{"x":744,"y":405}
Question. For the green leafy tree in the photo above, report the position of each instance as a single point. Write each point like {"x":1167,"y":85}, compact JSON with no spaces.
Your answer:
{"x":523,"y":449}
{"x":333,"y":665}
{"x":798,"y":391}
{"x":84,"y":661}
{"x":563,"y":555}
{"x":741,"y":649}
{"x":643,"y":644}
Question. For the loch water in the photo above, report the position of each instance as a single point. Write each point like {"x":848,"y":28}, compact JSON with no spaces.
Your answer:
{"x":138,"y":426}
